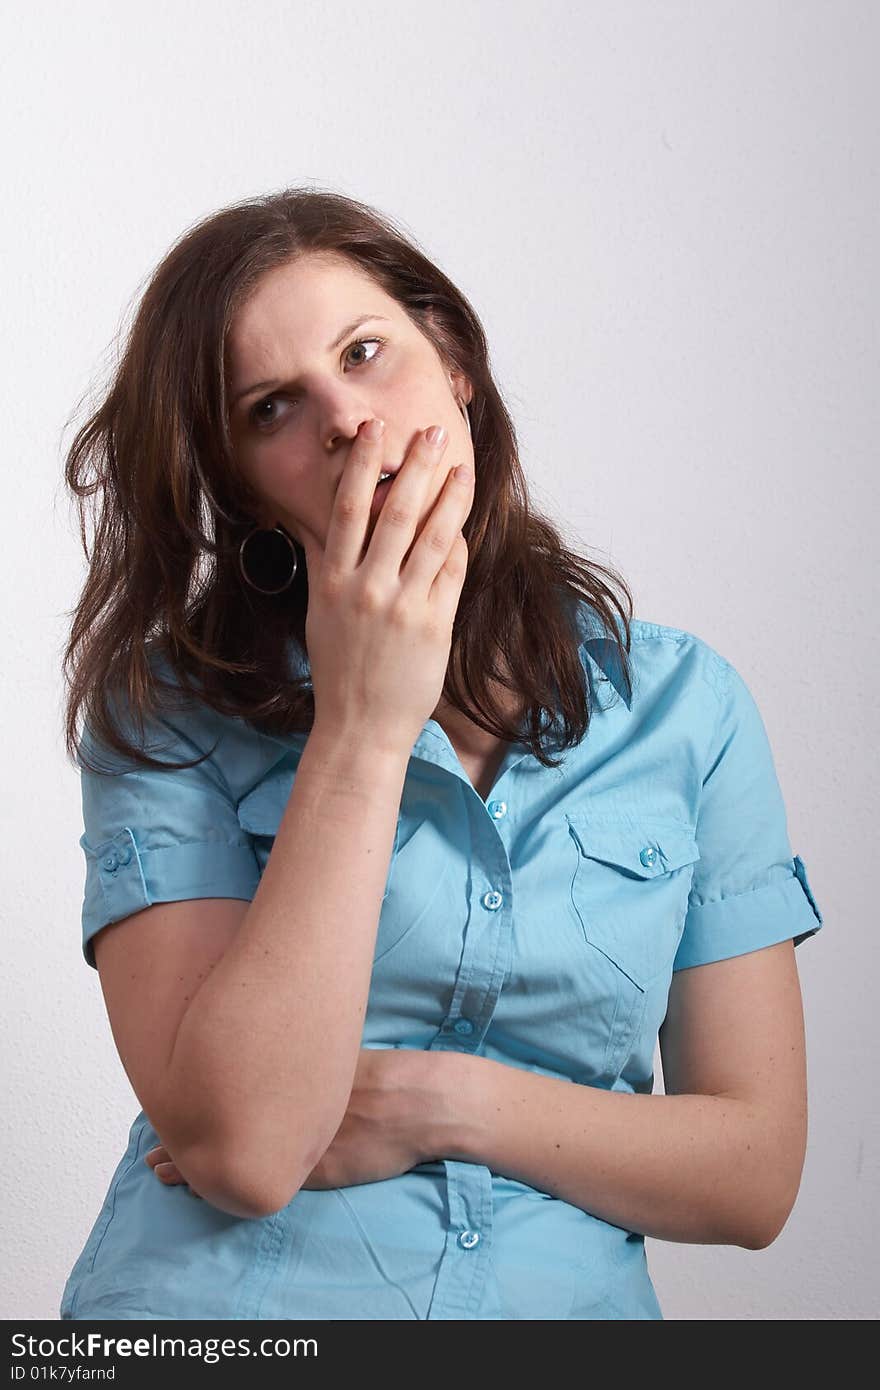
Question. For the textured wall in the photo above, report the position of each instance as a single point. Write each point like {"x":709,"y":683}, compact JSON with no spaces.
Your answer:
{"x":666,"y":216}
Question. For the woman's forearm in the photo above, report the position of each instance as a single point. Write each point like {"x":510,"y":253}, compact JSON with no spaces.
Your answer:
{"x":264,"y":1058}
{"x":693,"y":1168}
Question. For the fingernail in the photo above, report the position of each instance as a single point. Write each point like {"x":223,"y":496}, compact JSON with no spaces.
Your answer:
{"x":373,"y":429}
{"x":436,"y":434}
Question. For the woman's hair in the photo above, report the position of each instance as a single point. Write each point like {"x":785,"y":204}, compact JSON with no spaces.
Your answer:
{"x":172,"y":508}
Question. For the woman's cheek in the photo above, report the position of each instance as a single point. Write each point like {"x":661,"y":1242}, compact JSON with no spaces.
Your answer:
{"x":281,"y":482}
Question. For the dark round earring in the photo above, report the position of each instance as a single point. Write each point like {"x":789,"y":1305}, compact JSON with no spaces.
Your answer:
{"x":268,"y":559}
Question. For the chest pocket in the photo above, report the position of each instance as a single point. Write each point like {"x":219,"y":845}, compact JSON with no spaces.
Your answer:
{"x":630,"y":889}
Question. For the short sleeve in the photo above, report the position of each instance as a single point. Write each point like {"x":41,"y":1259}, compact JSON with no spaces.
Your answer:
{"x":154,"y":836}
{"x":748,"y":889}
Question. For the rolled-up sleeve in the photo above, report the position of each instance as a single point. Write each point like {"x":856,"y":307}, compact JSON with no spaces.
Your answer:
{"x":748,"y":889}
{"x":153,"y":836}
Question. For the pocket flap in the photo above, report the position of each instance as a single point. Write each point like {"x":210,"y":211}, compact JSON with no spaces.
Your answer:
{"x":260,"y":812}
{"x":643,"y":849}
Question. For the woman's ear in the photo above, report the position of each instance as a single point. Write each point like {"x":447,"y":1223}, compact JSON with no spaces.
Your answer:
{"x":461,"y":387}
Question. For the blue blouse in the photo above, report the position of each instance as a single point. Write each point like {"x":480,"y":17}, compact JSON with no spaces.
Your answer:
{"x":539,"y":927}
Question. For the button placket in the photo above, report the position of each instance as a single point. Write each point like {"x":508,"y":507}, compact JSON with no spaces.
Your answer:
{"x":464,"y":1266}
{"x":476,"y":991}
{"x":487,"y":943}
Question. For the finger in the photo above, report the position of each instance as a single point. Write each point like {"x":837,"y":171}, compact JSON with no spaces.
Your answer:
{"x":398,"y":520}
{"x":350,"y":516}
{"x":313,"y":552}
{"x":432,"y":550}
{"x":158,"y":1155}
{"x":168,"y":1172}
{"x":446,"y":591}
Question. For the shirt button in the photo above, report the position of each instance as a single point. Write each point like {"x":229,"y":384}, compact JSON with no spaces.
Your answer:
{"x":463,"y":1026}
{"x":110,"y":862}
{"x":647,"y":856}
{"x":492,"y":900}
{"x":497,"y":809}
{"x":468,"y":1239}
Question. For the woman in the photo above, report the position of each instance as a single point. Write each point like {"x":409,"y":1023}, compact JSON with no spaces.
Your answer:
{"x":385,"y":974}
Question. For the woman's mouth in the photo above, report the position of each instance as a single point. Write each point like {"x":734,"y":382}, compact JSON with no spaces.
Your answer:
{"x":383,"y":487}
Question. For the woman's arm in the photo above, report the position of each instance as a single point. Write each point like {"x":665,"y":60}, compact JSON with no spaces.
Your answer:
{"x":720,"y":1165}
{"x":263,"y":1061}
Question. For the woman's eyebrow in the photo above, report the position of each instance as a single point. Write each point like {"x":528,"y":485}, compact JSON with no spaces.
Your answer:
{"x":350,"y":328}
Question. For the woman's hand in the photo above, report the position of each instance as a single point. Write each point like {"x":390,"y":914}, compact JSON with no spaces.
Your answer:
{"x":381,"y":610}
{"x":391,"y":1113}
{"x":399,"y":1101}
{"x":163,"y":1165}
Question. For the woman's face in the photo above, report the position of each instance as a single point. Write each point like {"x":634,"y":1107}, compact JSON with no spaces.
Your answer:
{"x":293,"y":436}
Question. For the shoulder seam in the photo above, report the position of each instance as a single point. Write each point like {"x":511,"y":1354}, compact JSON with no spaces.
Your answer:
{"x":641,"y":630}
{"x":716,"y":670}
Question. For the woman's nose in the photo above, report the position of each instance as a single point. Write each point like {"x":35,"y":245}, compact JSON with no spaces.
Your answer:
{"x":342,"y":426}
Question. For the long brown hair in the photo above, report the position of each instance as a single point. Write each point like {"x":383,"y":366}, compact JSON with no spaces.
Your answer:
{"x":172,"y":508}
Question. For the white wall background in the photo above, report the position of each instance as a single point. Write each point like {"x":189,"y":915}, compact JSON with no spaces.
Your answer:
{"x":666,"y":215}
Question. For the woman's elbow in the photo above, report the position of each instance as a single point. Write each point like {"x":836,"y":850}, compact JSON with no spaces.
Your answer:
{"x":235,"y":1185}
{"x":770,"y":1230}
{"x":776,"y":1180}
{"x":769,"y":1220}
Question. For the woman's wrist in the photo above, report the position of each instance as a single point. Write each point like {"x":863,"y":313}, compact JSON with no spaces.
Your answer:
{"x":359,"y":742}
{"x":450,"y":1085}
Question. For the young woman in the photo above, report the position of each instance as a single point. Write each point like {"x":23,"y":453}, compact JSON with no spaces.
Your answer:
{"x":404,"y":840}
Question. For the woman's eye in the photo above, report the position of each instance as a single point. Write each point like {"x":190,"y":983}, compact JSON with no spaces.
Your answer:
{"x":258,"y":416}
{"x":365,"y":342}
